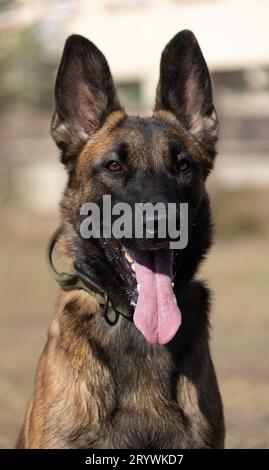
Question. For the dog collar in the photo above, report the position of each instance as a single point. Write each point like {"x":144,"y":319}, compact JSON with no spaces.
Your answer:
{"x":84,"y":280}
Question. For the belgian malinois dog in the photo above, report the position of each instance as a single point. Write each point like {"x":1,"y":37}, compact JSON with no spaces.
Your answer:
{"x":138,"y":376}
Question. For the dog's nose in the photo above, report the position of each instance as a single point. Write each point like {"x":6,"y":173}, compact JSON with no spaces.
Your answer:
{"x":153,"y":223}
{"x":156,"y":225}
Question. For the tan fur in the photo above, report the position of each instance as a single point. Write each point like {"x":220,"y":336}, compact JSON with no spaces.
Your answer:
{"x":75,"y":391}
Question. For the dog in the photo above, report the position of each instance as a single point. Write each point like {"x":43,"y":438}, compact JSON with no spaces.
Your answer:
{"x":137,"y":380}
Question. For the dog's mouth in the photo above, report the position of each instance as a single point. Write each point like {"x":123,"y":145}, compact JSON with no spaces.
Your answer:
{"x":148,"y":275}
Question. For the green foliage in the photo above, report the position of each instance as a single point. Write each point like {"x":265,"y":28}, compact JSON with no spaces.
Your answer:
{"x":26,"y":71}
{"x":6,"y":4}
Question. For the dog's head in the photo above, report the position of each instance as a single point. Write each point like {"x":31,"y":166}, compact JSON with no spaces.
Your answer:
{"x":164,"y":159}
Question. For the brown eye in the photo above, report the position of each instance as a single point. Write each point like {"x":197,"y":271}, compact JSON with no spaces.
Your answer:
{"x":184,"y":165}
{"x":113,"y":165}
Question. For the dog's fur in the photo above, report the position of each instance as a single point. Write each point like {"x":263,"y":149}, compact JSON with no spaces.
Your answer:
{"x":103,"y":386}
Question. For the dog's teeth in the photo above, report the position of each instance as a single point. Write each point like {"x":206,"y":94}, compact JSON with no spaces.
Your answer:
{"x":127,"y":256}
{"x":133,"y":266}
{"x":138,"y":288}
{"x":172,"y":284}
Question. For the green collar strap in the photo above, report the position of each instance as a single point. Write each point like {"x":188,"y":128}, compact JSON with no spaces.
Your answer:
{"x":82,"y":280}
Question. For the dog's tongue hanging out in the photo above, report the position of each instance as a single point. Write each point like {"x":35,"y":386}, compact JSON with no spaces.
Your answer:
{"x":156,"y":314}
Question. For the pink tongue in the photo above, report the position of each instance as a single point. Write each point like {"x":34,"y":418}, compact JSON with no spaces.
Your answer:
{"x":156,"y":315}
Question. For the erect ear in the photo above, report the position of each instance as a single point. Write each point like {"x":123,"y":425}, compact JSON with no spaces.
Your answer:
{"x":185,"y":88}
{"x":84,"y":94}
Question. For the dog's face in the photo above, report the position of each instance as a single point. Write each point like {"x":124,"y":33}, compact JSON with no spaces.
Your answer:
{"x":164,"y":158}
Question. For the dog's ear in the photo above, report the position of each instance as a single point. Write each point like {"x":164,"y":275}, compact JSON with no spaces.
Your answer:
{"x":84,"y":94}
{"x":185,"y":88}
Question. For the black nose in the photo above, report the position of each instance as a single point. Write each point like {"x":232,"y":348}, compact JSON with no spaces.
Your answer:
{"x":156,"y":225}
{"x":152,"y":223}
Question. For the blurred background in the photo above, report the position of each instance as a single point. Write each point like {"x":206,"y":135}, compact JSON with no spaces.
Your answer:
{"x":233,"y":35}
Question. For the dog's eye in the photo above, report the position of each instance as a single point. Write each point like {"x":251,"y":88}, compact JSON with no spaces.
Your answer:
{"x":184,"y":165}
{"x":113,"y":166}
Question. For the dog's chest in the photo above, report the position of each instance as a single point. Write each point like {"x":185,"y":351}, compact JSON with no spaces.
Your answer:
{"x":131,"y":398}
{"x":144,"y":428}
{"x":144,"y":418}
{"x":144,"y":412}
